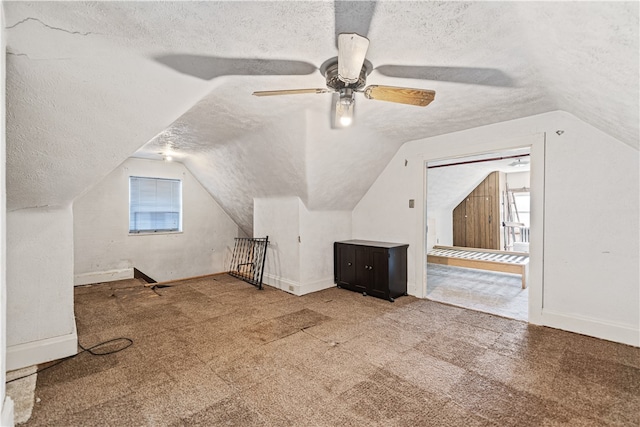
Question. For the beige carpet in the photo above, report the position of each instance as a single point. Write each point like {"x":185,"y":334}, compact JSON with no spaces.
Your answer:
{"x":480,"y":290}
{"x":217,"y":351}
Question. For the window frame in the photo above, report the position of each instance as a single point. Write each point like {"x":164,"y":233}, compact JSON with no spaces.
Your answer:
{"x":147,"y":232}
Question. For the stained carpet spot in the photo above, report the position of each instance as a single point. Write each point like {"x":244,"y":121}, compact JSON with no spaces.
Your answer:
{"x":228,"y":412}
{"x":304,"y":318}
{"x":270,"y":330}
{"x":283,"y":326}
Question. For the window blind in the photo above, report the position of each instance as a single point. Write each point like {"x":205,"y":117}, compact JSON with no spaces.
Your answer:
{"x":155,"y":205}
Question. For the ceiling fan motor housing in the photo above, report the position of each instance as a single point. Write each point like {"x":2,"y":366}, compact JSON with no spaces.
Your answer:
{"x":334,"y":82}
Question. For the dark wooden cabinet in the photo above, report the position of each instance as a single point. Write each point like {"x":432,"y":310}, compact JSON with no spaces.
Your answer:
{"x":373,"y":268}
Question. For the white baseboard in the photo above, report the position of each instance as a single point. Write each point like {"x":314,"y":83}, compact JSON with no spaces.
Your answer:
{"x":280,"y":283}
{"x":6,"y":417}
{"x":41,"y":351}
{"x":316,"y":286}
{"x":412,"y":289}
{"x":610,"y":331}
{"x":102,"y":276}
{"x":297,"y":288}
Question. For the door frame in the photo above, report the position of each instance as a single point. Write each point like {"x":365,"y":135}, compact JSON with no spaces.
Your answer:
{"x":537,"y":145}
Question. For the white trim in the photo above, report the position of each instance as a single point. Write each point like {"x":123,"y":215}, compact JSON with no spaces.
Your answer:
{"x":280,"y":283}
{"x":316,"y":286}
{"x":41,"y":351}
{"x":612,"y":331}
{"x":6,"y":417}
{"x":297,"y":288}
{"x":537,"y":144}
{"x":535,"y":273}
{"x":102,"y":276}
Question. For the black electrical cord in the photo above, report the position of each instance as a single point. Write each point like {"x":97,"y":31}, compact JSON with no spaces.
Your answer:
{"x":90,"y":350}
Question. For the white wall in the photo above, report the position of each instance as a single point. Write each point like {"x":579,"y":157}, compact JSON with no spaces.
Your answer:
{"x":104,"y":249}
{"x":518,"y":179}
{"x":6,"y":406}
{"x":591,"y":229}
{"x":279,"y":219}
{"x":384,"y":214}
{"x":589,"y":270}
{"x":40,"y":317}
{"x":442,"y":220}
{"x":318,"y":231}
{"x":300,"y":255}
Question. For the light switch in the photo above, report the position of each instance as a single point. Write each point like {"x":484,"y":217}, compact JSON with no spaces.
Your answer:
{"x":412,"y":203}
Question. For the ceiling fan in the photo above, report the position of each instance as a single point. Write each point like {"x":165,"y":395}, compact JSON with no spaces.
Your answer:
{"x":347,"y":75}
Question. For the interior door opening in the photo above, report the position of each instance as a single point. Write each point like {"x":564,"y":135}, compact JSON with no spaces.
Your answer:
{"x":478,"y":231}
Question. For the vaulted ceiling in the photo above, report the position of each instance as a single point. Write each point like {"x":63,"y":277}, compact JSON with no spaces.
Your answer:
{"x":90,"y":84}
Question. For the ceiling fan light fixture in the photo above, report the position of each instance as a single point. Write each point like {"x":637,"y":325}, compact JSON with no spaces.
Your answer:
{"x":519,"y":163}
{"x":344,"y":108}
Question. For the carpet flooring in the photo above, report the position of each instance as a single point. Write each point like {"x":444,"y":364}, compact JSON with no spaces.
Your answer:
{"x":481,"y":290}
{"x":217,"y":351}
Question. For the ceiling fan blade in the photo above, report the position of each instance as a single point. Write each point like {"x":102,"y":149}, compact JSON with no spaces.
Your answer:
{"x":469,"y":75}
{"x":402,"y":95}
{"x":353,"y":16}
{"x":210,"y":67}
{"x":352,"y":49}
{"x":289,"y":92}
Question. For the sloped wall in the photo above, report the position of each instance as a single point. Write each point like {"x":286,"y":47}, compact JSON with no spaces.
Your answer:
{"x":590,"y":274}
{"x":104,"y":249}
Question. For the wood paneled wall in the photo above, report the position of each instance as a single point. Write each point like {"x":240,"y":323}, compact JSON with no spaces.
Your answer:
{"x":476,"y":220}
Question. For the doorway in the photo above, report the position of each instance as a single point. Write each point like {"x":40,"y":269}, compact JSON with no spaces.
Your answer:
{"x":478,"y":231}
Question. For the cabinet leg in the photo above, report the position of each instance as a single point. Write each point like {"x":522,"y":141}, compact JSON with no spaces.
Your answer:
{"x":364,"y":294}
{"x":391,"y":299}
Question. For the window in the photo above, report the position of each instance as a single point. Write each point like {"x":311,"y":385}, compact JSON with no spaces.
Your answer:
{"x":522,"y":201}
{"x":155,"y":205}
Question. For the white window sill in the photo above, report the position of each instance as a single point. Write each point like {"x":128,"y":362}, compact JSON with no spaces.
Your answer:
{"x":151,"y":233}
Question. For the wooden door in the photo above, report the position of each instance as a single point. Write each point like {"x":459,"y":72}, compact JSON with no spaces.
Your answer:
{"x":479,"y":222}
{"x":460,"y":224}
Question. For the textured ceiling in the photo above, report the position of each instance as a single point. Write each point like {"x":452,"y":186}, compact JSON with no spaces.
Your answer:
{"x":89,"y":84}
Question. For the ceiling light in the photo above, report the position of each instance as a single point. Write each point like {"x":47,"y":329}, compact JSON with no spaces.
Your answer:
{"x":519,"y":163}
{"x":345,"y":121}
{"x":168,"y":158}
{"x":344,"y":108}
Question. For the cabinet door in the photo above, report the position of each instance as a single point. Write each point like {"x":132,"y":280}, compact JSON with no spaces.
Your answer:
{"x":346,"y":258}
{"x":379,"y":273}
{"x":362,"y":271}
